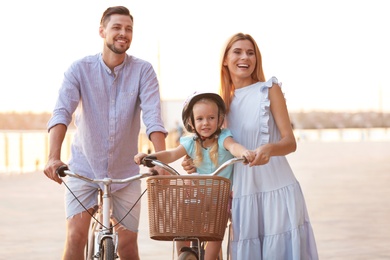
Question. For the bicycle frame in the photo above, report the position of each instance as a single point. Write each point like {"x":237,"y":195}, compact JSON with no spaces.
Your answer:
{"x":101,"y":223}
{"x":101,"y":237}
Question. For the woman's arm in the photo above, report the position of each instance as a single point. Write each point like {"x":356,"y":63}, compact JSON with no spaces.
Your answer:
{"x":287,"y":143}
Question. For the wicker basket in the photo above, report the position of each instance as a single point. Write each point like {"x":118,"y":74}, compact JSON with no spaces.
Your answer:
{"x":188,"y":206}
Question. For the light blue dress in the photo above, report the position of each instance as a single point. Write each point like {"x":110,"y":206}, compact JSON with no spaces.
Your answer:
{"x":207,"y":166}
{"x":269,"y":215}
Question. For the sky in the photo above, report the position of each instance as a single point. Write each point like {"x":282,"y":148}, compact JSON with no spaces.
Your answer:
{"x":330,"y":55}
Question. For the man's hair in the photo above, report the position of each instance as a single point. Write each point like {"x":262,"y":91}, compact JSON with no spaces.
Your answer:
{"x":114,"y":10}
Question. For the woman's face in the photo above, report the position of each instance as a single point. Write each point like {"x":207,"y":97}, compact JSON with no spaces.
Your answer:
{"x":241,"y":60}
{"x":205,"y":117}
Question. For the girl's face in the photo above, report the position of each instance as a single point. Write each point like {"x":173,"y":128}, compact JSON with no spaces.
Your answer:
{"x":205,"y":117}
{"x":241,"y":60}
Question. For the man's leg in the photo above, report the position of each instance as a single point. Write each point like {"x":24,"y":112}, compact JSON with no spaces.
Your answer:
{"x":76,"y":236}
{"x":78,"y":220}
{"x":127,"y":246}
{"x":125,"y":200}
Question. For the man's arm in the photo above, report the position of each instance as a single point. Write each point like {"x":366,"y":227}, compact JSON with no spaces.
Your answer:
{"x":158,"y":140}
{"x":56,"y":137}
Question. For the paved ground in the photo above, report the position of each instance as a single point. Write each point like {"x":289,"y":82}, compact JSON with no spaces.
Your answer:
{"x":346,"y":186}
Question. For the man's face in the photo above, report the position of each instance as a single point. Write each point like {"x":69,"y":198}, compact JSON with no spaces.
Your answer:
{"x":118,"y":33}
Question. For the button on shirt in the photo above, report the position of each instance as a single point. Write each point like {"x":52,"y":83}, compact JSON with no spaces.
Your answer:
{"x":107,"y":108}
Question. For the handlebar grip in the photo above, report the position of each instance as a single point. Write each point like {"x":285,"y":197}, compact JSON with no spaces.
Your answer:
{"x":147,"y":161}
{"x":245,"y":160}
{"x":61,"y":170}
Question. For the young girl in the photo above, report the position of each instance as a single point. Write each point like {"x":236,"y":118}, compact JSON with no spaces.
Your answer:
{"x":209,"y":146}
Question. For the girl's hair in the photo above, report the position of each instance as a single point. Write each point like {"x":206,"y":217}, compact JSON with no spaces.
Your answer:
{"x":226,"y":89}
{"x":114,"y":10}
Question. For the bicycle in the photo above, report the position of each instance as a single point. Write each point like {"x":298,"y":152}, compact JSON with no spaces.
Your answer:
{"x":188,"y":208}
{"x":102,"y":238}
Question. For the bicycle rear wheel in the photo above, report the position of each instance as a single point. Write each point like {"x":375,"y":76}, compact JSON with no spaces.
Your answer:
{"x":108,"y":250}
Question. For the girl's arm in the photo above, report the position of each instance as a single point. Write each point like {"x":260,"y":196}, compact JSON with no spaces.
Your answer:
{"x":237,"y":150}
{"x":167,"y":156}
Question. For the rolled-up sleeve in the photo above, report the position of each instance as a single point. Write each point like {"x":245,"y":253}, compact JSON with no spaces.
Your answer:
{"x":67,"y":101}
{"x":151,"y":102}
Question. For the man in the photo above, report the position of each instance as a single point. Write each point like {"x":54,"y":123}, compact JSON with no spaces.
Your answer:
{"x":109,"y":91}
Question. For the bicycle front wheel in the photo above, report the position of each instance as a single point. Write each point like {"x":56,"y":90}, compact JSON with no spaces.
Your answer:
{"x":188,"y":255}
{"x":90,"y":246}
{"x":108,"y":251}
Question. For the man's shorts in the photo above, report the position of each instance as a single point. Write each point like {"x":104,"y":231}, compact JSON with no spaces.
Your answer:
{"x":122,"y":200}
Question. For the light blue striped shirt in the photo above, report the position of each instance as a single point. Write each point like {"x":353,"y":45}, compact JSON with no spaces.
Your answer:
{"x":108,"y":115}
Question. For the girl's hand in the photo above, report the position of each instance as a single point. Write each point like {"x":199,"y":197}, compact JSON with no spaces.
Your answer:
{"x":138,"y":158}
{"x":249,"y":156}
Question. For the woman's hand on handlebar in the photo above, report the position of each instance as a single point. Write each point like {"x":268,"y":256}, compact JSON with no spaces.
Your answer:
{"x":263,"y":155}
{"x":50,"y":170}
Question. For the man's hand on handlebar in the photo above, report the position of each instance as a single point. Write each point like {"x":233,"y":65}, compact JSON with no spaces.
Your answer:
{"x":50,"y":170}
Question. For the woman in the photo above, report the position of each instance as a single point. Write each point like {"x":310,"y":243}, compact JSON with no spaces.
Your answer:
{"x":269,"y":215}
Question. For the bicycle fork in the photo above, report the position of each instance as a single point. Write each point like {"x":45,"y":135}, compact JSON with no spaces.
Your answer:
{"x":104,"y":229}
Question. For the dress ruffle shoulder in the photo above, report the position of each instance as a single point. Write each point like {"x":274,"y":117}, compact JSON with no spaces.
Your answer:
{"x":265,"y":108}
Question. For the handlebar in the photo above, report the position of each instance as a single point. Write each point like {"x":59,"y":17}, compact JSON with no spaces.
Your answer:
{"x":63,"y":171}
{"x":148,"y":161}
{"x":151,"y":161}
{"x":227,"y":163}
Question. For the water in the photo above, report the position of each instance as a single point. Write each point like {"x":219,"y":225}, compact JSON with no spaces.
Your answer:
{"x":344,"y":135}
{"x":27,"y":151}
